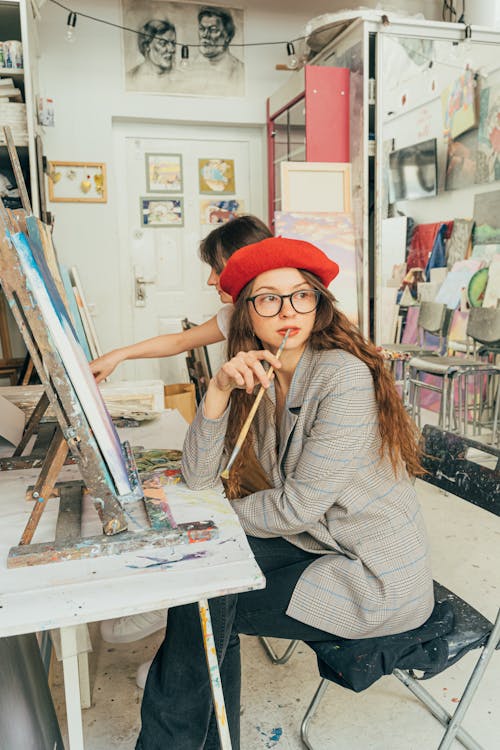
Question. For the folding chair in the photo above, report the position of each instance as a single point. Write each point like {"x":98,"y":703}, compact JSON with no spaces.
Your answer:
{"x":433,"y":318}
{"x":198,"y":365}
{"x":449,"y":468}
{"x":483,"y":328}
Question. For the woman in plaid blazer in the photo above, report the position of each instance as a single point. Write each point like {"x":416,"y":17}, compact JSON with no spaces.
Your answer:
{"x":335,"y":526}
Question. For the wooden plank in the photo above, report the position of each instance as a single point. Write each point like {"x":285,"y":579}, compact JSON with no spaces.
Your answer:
{"x":59,"y":488}
{"x":69,"y":519}
{"x":4,"y":330}
{"x":16,"y":167}
{"x":45,"y":483}
{"x":103,"y":546}
{"x":33,"y":424}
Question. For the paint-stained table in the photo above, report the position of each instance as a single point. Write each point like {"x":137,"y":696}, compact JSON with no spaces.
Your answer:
{"x":67,"y":594}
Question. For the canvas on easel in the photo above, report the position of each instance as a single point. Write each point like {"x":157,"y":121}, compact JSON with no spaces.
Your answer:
{"x":107,"y":467}
{"x":84,"y":424}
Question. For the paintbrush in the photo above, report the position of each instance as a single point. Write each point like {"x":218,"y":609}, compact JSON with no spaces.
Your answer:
{"x":251,"y":414}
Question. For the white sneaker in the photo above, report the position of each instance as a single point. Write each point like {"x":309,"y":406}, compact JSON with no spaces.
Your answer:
{"x":133,"y":627}
{"x":142,"y":674}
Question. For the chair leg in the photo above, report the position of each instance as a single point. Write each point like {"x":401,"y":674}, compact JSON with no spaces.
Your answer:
{"x":272,"y":653}
{"x":487,"y":652}
{"x":309,"y":714}
{"x":435,"y":708}
{"x":453,"y":723}
{"x":495,"y":414}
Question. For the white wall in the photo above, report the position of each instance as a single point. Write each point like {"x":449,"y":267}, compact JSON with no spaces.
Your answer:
{"x":85,"y":79}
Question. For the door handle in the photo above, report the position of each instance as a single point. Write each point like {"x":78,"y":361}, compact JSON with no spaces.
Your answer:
{"x":140,"y":290}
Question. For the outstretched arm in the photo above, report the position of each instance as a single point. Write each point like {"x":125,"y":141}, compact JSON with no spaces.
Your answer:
{"x":159,"y":346}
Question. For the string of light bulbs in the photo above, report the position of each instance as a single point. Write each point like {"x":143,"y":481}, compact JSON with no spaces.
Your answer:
{"x":73,"y":15}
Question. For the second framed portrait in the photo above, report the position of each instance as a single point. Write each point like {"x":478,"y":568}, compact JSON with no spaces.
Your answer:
{"x":163,"y":173}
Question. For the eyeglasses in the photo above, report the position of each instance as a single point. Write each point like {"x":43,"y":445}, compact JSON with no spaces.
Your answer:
{"x":268,"y":305}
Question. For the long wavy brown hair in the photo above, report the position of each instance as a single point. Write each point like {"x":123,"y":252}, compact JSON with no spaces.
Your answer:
{"x":332,"y":330}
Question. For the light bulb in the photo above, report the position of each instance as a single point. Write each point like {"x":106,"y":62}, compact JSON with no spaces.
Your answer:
{"x":184,"y":56}
{"x":292,"y":57}
{"x":70,"y":27}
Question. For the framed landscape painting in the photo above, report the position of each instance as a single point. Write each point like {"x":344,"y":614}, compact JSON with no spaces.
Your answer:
{"x":163,"y":173}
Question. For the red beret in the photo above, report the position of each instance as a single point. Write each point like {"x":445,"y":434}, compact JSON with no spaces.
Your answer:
{"x":275,"y":252}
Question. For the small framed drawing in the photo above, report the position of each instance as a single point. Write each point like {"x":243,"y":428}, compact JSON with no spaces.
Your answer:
{"x":77,"y":182}
{"x":216,"y":176}
{"x":214,"y":211}
{"x":163,"y":173}
{"x":315,"y":187}
{"x":162,"y":212}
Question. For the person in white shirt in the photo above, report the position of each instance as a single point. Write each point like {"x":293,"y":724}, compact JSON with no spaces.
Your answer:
{"x":215,"y":250}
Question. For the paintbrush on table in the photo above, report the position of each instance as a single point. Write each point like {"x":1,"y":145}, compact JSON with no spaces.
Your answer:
{"x":251,"y":414}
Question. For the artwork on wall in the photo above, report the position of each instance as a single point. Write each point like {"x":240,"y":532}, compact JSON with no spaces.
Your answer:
{"x":334,"y":234}
{"x":485,"y":252}
{"x":216,"y":176}
{"x":461,"y":161}
{"x":488,"y":157}
{"x":487,"y":218}
{"x":458,"y":244}
{"x":219,"y":212}
{"x":156,"y":212}
{"x":492,"y":292}
{"x":413,"y":171}
{"x":163,"y":173}
{"x":77,"y":182}
{"x":459,"y":106}
{"x":315,"y":186}
{"x":211,"y":35}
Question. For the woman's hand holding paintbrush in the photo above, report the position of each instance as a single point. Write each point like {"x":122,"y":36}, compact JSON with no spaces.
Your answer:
{"x":265,"y":381}
{"x":245,"y":370}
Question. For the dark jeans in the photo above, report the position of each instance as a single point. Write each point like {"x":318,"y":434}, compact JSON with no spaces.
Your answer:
{"x":177,"y":711}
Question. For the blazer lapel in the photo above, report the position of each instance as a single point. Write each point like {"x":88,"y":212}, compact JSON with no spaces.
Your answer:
{"x":294,"y":401}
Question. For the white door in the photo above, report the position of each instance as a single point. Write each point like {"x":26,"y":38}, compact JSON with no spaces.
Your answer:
{"x":166,"y":258}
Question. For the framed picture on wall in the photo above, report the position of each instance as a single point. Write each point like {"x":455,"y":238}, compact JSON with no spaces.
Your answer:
{"x":77,"y":182}
{"x":163,"y":173}
{"x":213,"y":211}
{"x":162,"y":212}
{"x":315,"y":187}
{"x":213,"y":36}
{"x":216,"y":176}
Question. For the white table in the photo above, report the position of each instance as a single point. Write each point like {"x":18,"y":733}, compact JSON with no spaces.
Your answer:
{"x":66,"y":594}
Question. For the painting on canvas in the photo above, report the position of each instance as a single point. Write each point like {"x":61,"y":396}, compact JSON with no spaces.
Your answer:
{"x":155,"y":56}
{"x":459,"y":106}
{"x":161,"y":213}
{"x":487,"y":218}
{"x":66,"y":344}
{"x":216,"y":175}
{"x":461,"y":161}
{"x":488,"y":156}
{"x":219,"y":212}
{"x":163,"y":173}
{"x":334,"y":234}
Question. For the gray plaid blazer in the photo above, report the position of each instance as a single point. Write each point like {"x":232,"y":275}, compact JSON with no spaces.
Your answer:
{"x":332,"y":495}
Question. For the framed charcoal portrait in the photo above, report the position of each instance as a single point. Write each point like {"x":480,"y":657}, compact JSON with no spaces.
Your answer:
{"x":152,"y":57}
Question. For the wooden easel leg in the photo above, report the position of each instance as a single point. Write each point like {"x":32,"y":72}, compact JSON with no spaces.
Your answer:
{"x":45,"y":483}
{"x":32,"y":424}
{"x":214,"y":674}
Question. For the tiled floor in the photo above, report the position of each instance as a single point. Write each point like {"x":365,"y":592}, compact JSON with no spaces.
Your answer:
{"x":465,"y":543}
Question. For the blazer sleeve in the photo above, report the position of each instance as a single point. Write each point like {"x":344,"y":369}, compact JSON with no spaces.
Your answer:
{"x":343,"y":437}
{"x":202,"y":450}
